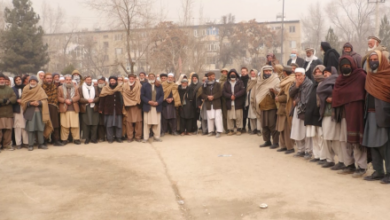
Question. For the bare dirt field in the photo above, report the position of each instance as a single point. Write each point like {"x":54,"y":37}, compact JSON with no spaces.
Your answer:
{"x":180,"y":178}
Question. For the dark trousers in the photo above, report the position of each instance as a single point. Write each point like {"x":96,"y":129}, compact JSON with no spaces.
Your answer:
{"x":90,"y":132}
{"x":102,"y":132}
{"x":245,"y":118}
{"x":185,"y":124}
{"x":113,"y":132}
{"x":269,"y":131}
{"x":379,"y":154}
{"x":55,"y":136}
{"x":5,"y":137}
{"x":172,"y":123}
{"x":31,"y":137}
{"x":195,"y":121}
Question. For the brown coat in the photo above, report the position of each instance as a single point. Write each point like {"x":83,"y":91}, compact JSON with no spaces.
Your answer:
{"x":284,"y":109}
{"x":268,"y":103}
{"x":216,"y":92}
{"x":61,"y":100}
{"x":84,"y":102}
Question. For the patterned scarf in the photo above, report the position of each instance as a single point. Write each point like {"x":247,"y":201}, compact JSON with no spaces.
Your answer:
{"x":51,"y":92}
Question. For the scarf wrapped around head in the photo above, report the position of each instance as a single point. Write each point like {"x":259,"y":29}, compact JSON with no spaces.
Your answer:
{"x":38,"y":94}
{"x":132,"y":97}
{"x":252,"y":82}
{"x":378,"y":84}
{"x":325,"y":89}
{"x":171,"y":87}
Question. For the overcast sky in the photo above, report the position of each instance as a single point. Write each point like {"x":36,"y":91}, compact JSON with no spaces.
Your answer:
{"x":262,"y":10}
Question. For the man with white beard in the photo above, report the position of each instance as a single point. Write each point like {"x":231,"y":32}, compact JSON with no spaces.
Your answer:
{"x":311,"y":61}
{"x":374,"y":43}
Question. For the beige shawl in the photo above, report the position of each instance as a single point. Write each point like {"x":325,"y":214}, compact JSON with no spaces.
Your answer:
{"x":172,"y":87}
{"x":132,"y":97}
{"x":108,"y":91}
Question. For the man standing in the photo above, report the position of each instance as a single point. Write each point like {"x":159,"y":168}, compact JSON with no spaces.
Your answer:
{"x":374,"y":43}
{"x":377,"y":114}
{"x":245,"y":78}
{"x":36,"y":113}
{"x":152,"y":96}
{"x":77,"y":77}
{"x":110,"y":105}
{"x":171,"y":102}
{"x":101,"y":127}
{"x":19,"y":121}
{"x":348,"y":50}
{"x":56,"y":79}
{"x":265,"y":105}
{"x":187,"y":109}
{"x":163,"y":77}
{"x":284,"y":120}
{"x":294,"y":58}
{"x":311,"y":62}
{"x":271,"y":60}
{"x":348,"y":99}
{"x":234,"y":93}
{"x":52,"y":99}
{"x":68,"y":98}
{"x":331,"y":56}
{"x":196,"y":87}
{"x":222,"y":80}
{"x":7,"y":99}
{"x":299,"y":91}
{"x":212,"y":93}
{"x":255,"y":124}
{"x":89,"y":111}
{"x":132,"y":102}
{"x":142,"y":78}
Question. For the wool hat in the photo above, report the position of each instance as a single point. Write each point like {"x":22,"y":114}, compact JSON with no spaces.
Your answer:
{"x":33,"y":78}
{"x":327,"y":69}
{"x":344,"y":61}
{"x":102,"y":78}
{"x":224,"y":69}
{"x":294,"y":64}
{"x":55,"y":74}
{"x":287,"y":69}
{"x":300,"y":70}
{"x":184,"y":80}
{"x":268,"y":67}
{"x":309,"y":49}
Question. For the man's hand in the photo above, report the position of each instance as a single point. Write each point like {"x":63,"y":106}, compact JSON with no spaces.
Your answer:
{"x":329,"y":100}
{"x":90,"y":100}
{"x":68,"y":102}
{"x":277,"y":98}
{"x":233,"y":97}
{"x":19,"y":101}
{"x":295,"y":103}
{"x":151,"y":103}
{"x":210,"y":97}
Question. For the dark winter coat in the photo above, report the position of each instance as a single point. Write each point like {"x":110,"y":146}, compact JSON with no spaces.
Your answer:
{"x":299,"y":61}
{"x":111,"y":103}
{"x":214,"y":90}
{"x":187,"y":108}
{"x":146,"y":96}
{"x":331,"y":56}
{"x":16,"y":106}
{"x":312,"y":114}
{"x":239,"y":94}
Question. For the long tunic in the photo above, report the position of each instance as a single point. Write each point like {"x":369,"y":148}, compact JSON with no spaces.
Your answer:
{"x":90,"y":117}
{"x":187,"y":110}
{"x":133,"y":114}
{"x":36,"y":123}
{"x":169,"y":110}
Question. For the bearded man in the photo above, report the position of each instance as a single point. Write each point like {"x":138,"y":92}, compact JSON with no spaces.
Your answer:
{"x":265,"y":106}
{"x":311,"y":61}
{"x":254,"y":122}
{"x":142,"y":78}
{"x":196,"y":87}
{"x":377,"y":114}
{"x":101,"y":127}
{"x":110,"y":105}
{"x":7,"y":99}
{"x":284,"y":120}
{"x":348,"y":98}
{"x":68,"y":98}
{"x":171,"y":102}
{"x":221,"y":81}
{"x":89,"y":112}
{"x":212,"y":93}
{"x":36,"y":113}
{"x":186,"y":110}
{"x":56,"y":79}
{"x":19,"y":121}
{"x":52,"y":99}
{"x":132,"y":102}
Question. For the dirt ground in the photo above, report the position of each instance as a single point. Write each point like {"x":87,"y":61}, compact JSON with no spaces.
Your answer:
{"x":151,"y":181}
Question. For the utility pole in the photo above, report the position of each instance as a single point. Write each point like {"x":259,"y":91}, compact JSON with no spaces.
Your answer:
{"x":377,"y":19}
{"x":281,"y":51}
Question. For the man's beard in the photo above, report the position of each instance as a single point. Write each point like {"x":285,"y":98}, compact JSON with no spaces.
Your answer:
{"x":68,"y":85}
{"x":47,"y":83}
{"x":2,"y":84}
{"x":89,"y":84}
{"x":33,"y":86}
{"x":112,"y":86}
{"x":195,"y":82}
{"x":101,"y":85}
{"x":131,"y":83}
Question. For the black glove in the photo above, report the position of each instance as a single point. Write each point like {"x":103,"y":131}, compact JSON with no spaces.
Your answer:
{"x":5,"y":101}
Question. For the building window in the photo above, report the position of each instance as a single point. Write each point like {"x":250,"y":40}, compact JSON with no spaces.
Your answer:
{"x":292,"y":29}
{"x":210,"y":60}
{"x":293,"y":44}
{"x":118,"y":51}
{"x":118,"y":37}
{"x":105,"y":36}
{"x":195,"y":33}
{"x":105,"y":58}
{"x":105,"y":44}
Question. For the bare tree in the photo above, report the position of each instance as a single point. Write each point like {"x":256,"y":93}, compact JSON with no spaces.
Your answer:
{"x":186,"y":9}
{"x":52,"y":20}
{"x":314,"y":26}
{"x":353,"y":20}
{"x":226,"y":48}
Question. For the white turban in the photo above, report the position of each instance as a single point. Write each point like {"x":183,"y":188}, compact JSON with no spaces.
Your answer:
{"x":300,"y":70}
{"x":171,"y":74}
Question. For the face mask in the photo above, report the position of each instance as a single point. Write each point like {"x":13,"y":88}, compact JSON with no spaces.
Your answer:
{"x":374,"y":65}
{"x":266,"y":76}
{"x":101,"y":85}
{"x":293,"y":56}
{"x":151,"y":81}
{"x":346,"y":70}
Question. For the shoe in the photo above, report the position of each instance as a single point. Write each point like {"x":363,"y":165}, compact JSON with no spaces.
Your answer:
{"x":239,"y":132}
{"x":183,"y":134}
{"x":189,"y":134}
{"x":77,"y":142}
{"x":42,"y":146}
{"x":282,"y":149}
{"x":204,"y":133}
{"x":157,"y":140}
{"x":338,"y":166}
{"x":386,"y":179}
{"x":124,"y":138}
{"x":321,"y":162}
{"x":314,"y":160}
{"x":308,"y":156}
{"x":162,"y":135}
{"x":290,"y":151}
{"x":359,"y":173}
{"x":347,"y":170}
{"x":299,"y":154}
{"x":259,"y":133}
{"x":86,"y":141}
{"x":253,"y":132}
{"x":138,"y":140}
{"x":129,"y":140}
{"x":58,"y":144}
{"x":119,"y":140}
{"x":64,"y":143}
{"x":242,"y":131}
{"x":30,"y":148}
{"x":11,"y":148}
{"x":230,"y":133}
{"x":195,"y":133}
{"x":144,"y":141}
{"x":218,"y":135}
{"x":175,"y":133}
{"x":211,"y":134}
{"x":328,"y":165}
{"x":19,"y":147}
{"x":274,"y":146}
{"x":94,"y":142}
{"x":266,"y":144}
{"x":375,"y":176}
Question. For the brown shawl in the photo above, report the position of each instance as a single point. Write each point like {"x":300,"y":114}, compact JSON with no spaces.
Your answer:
{"x":38,"y":94}
{"x":172,"y":87}
{"x":132,"y":97}
{"x":108,"y":91}
{"x":252,"y":82}
{"x":378,"y":84}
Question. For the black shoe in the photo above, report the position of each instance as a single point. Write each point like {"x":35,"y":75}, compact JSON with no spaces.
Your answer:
{"x":64,"y":143}
{"x":19,"y":147}
{"x":119,"y":140}
{"x":282,"y":149}
{"x":314,"y":160}
{"x":58,"y":144}
{"x":77,"y":142}
{"x":162,"y":134}
{"x":274,"y":146}
{"x":299,"y":154}
{"x":86,"y":141}
{"x":321,"y":162}
{"x":290,"y":151}
{"x":266,"y":144}
{"x":386,"y":179}
{"x":175,"y":133}
{"x":338,"y":166}
{"x":110,"y":142}
{"x":30,"y":148}
{"x":375,"y":176}
{"x":328,"y":165}
{"x":42,"y":146}
{"x":348,"y":170}
{"x":94,"y":142}
{"x":124,"y":138}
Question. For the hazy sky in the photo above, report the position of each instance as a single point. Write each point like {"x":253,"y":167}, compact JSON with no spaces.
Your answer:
{"x":262,"y":10}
